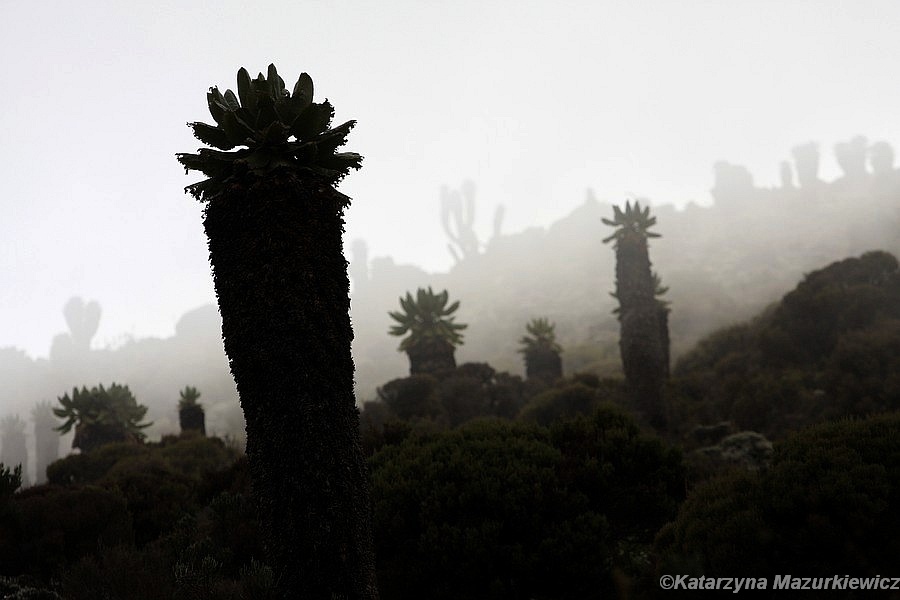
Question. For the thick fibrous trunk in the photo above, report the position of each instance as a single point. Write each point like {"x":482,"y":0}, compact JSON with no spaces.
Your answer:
{"x":543,"y":363}
{"x":89,"y":437}
{"x":664,"y":341}
{"x":281,"y":279}
{"x":640,"y":342}
{"x":431,"y":357}
{"x":192,"y":418}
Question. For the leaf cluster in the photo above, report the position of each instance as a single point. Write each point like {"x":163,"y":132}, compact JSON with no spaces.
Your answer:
{"x":188,"y":397}
{"x":632,"y":222}
{"x":115,"y":407}
{"x":10,"y":479}
{"x":277,"y":129}
{"x":426,"y":317}
{"x":542,"y":336}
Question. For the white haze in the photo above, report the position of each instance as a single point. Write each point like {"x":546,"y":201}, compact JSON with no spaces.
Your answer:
{"x":534,"y":101}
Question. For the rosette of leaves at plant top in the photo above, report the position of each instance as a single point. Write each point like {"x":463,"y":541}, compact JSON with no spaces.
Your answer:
{"x":426,"y":317}
{"x":632,"y":221}
{"x":115,"y":407}
{"x":542,"y":336}
{"x":265,"y":127}
{"x":188,"y":397}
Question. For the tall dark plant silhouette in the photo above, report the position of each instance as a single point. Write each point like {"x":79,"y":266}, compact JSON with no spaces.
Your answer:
{"x":274,"y":221}
{"x":542,"y":353}
{"x":433,"y":334}
{"x":642,"y":318}
{"x":191,"y":416}
{"x":101,"y":416}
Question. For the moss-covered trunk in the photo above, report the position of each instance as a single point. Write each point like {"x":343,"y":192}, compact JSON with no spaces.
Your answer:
{"x":543,"y":363}
{"x":640,"y":342}
{"x":431,"y":357}
{"x":192,"y":418}
{"x":281,"y":279}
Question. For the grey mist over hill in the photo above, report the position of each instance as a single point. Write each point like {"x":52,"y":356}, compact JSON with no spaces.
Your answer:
{"x":721,"y":263}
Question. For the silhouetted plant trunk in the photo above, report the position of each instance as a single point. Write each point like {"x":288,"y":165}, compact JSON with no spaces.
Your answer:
{"x":544,"y":364}
{"x":431,"y":357}
{"x":663,"y":316}
{"x":192,"y":418}
{"x":640,"y":345}
{"x":90,"y":436}
{"x":281,"y":279}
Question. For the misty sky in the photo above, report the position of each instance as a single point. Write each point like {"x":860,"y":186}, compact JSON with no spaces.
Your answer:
{"x":534,"y":101}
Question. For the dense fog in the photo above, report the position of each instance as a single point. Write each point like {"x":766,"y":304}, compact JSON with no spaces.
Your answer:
{"x":513,"y":303}
{"x":721,"y":263}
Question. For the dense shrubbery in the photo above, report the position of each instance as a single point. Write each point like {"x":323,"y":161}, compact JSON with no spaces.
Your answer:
{"x":50,"y":526}
{"x":474,"y":390}
{"x":512,"y":510}
{"x":110,"y":505}
{"x":432,"y":402}
{"x":489,"y":486}
{"x":828,"y":349}
{"x":829,"y":503}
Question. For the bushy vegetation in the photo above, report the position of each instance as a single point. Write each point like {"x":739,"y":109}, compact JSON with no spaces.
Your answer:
{"x":100,"y":416}
{"x":503,"y":510}
{"x":119,"y":494}
{"x":485,"y":484}
{"x":828,"y":504}
{"x":828,"y":349}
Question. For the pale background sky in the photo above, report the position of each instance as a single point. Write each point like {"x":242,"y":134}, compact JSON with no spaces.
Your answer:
{"x":534,"y":101}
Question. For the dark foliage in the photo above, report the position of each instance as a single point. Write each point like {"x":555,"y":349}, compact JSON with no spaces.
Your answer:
{"x":643,"y":334}
{"x":101,"y":416}
{"x":10,"y":480}
{"x":560,"y":403}
{"x":22,"y":588}
{"x":191,"y":416}
{"x":50,"y":526}
{"x":411,"y":397}
{"x":469,"y":391}
{"x":542,"y":353}
{"x":159,"y":484}
{"x":274,"y":223}
{"x":581,"y":395}
{"x":480,"y":513}
{"x":502,"y":510}
{"x":123,"y":572}
{"x":81,"y":469}
{"x":828,"y":504}
{"x":433,"y":334}
{"x":828,"y":349}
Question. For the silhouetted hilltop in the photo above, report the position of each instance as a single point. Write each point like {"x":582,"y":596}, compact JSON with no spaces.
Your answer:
{"x":154,"y":369}
{"x":829,"y":348}
{"x":722,"y":264}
